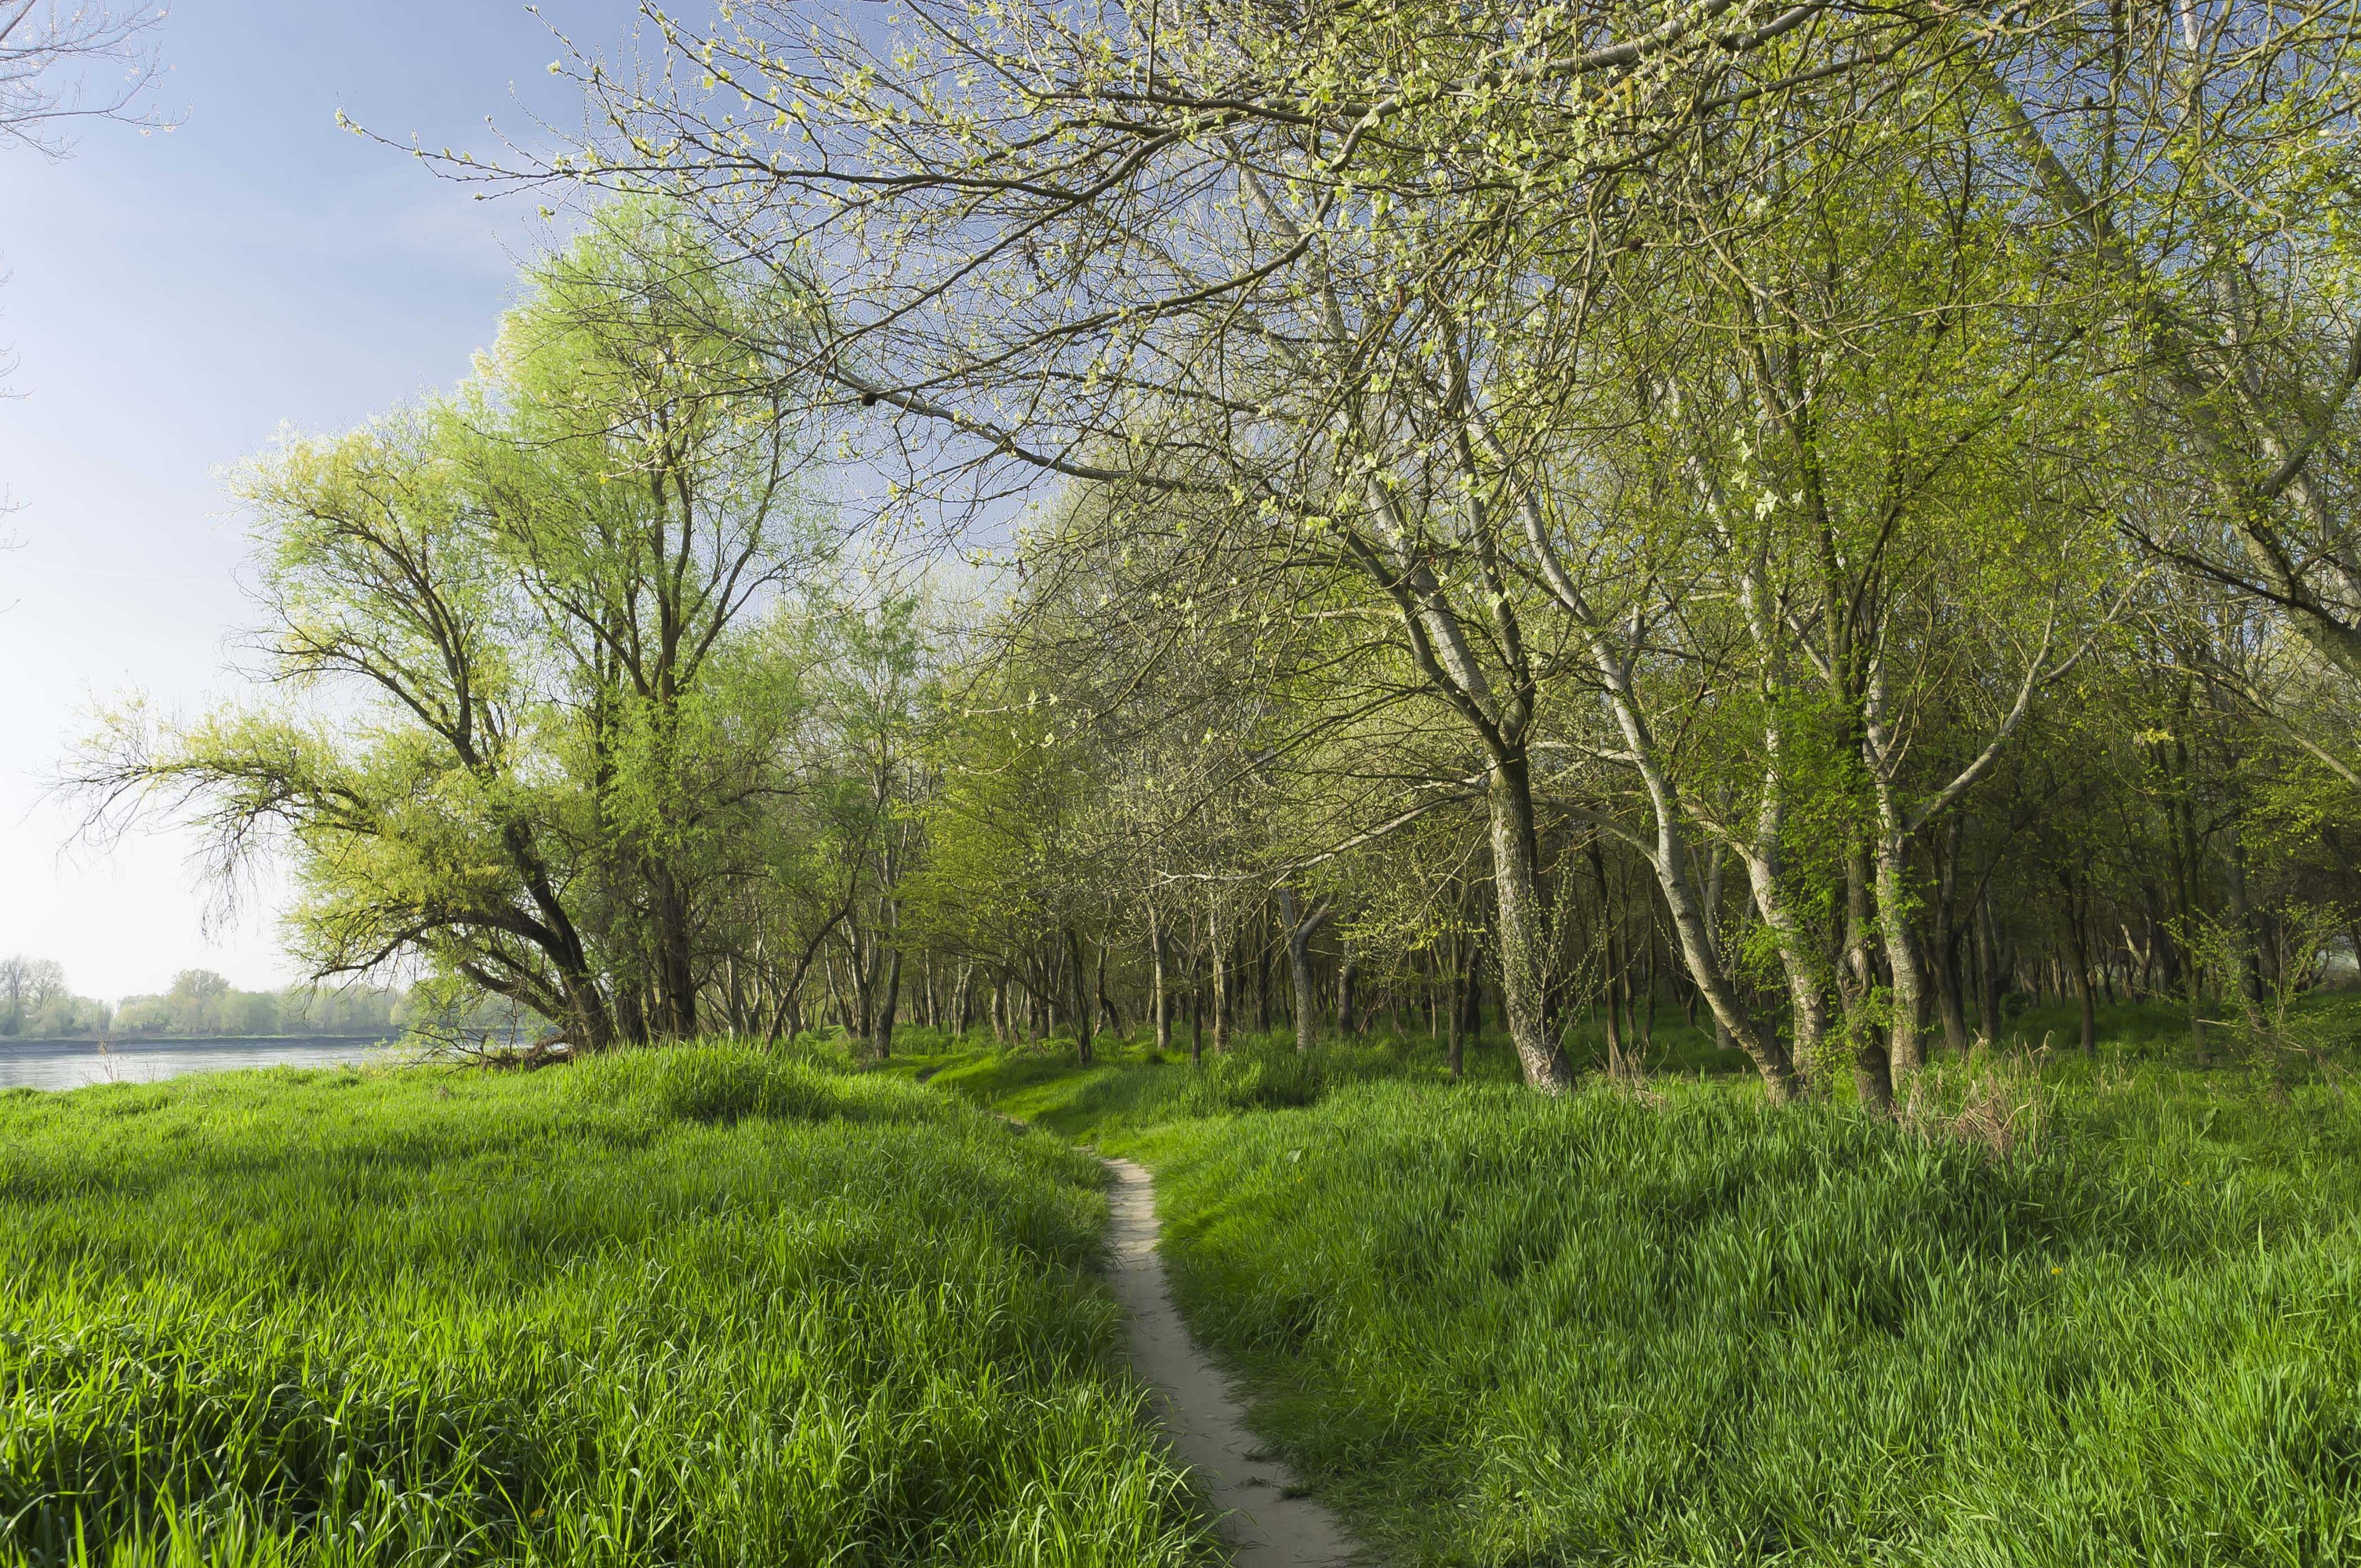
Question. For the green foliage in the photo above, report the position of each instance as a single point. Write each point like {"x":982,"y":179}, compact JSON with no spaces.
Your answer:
{"x":540,"y":653}
{"x":706,"y":1305}
{"x":201,"y":1002}
{"x":36,"y":1004}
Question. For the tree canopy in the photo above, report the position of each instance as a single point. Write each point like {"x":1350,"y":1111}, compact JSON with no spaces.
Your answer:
{"x":1830,"y":517}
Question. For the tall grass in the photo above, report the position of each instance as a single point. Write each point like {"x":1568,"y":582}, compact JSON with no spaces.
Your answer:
{"x":1678,"y":1327}
{"x":694,"y":1306}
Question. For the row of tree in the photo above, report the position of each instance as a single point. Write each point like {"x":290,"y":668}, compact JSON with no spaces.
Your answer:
{"x":202,"y":1004}
{"x":35,"y":1002}
{"x":1829,"y":517}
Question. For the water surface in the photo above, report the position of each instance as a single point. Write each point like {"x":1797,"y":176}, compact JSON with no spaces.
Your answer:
{"x":71,"y":1064}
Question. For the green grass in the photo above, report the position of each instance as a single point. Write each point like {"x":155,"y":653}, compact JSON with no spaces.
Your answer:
{"x":694,"y":1306}
{"x":1680,"y":1328}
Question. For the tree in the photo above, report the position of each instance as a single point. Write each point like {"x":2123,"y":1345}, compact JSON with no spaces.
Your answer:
{"x":1378,"y":215}
{"x":2195,"y":160}
{"x":48,"y":51}
{"x":28,"y":986}
{"x":544,"y":719}
{"x":1560,"y":502}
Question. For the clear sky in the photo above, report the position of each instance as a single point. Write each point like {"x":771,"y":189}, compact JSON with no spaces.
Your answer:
{"x":174,"y":300}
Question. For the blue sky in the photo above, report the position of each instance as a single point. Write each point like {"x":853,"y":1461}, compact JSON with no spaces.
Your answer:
{"x":174,"y":301}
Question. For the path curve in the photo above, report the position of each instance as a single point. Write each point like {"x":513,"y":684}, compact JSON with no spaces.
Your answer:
{"x":1265,"y":1525}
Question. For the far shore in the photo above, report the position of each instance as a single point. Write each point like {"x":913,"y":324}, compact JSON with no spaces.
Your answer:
{"x":121,"y":1042}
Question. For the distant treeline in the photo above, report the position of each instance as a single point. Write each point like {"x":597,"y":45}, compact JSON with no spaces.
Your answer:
{"x":35,"y":1002}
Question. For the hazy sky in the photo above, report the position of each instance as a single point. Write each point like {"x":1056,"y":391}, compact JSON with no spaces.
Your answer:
{"x":172,"y":300}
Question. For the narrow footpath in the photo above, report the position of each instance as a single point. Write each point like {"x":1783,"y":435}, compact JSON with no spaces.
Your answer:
{"x":1266,"y":1524}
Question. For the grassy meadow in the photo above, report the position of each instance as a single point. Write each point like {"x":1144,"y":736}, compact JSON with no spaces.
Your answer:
{"x":698,"y":1306}
{"x":2071,"y":1312}
{"x":708,"y":1305}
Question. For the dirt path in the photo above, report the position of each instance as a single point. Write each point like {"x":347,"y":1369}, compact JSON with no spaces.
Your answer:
{"x":1265,"y":1526}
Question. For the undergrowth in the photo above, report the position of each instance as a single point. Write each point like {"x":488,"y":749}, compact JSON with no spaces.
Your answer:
{"x":699,"y":1306}
{"x":2065,"y":1310}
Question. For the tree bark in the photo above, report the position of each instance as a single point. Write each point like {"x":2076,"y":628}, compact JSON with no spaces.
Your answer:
{"x":1084,"y":1006}
{"x":1517,"y":885}
{"x":1111,"y":1015}
{"x":882,"y":1035}
{"x":1872,"y":1065}
{"x":1907,"y":1054}
{"x":1950,"y":1003}
{"x":2081,"y":944}
{"x":1300,"y":923}
{"x":1710,"y":924}
{"x":1220,"y":997}
{"x":1453,"y":1006}
{"x":1988,"y":981}
{"x":1348,"y":973}
{"x":1161,"y":1000}
{"x":1471,"y":997}
{"x":1611,"y":956}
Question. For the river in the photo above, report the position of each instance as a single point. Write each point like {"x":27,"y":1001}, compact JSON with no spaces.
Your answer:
{"x":71,"y":1064}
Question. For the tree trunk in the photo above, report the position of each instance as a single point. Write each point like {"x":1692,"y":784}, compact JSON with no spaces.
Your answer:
{"x":1516,"y":880}
{"x":2185,"y":862}
{"x":1083,"y":1005}
{"x":1301,"y":923}
{"x":2089,"y":1002}
{"x":2242,"y":918}
{"x":1987,"y":954}
{"x":1647,"y":1016}
{"x":1872,"y":1071}
{"x":675,"y":1009}
{"x":1950,"y":1003}
{"x":2078,"y":939}
{"x":1770,"y":1055}
{"x":1453,"y":1006}
{"x":1265,"y":1023}
{"x":1111,"y":1015}
{"x":1220,"y":997}
{"x":835,"y":990}
{"x":882,"y":1035}
{"x":1159,"y":1000}
{"x":1907,"y":1054}
{"x":1950,"y":1006}
{"x":1709,"y":924}
{"x":1471,"y":994}
{"x":1670,"y":860}
{"x":1806,"y":998}
{"x":1610,"y":956}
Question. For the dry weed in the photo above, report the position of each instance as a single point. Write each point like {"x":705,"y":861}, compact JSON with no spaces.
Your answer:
{"x":2002,"y":1105}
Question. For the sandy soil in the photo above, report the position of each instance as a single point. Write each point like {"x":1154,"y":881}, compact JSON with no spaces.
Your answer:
{"x":1265,"y":1527}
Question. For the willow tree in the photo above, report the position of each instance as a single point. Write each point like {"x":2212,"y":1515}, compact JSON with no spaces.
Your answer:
{"x":528,"y":715}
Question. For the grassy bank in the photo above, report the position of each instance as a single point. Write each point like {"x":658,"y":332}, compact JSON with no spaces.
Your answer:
{"x":688,"y":1307}
{"x":1675,"y":1327}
